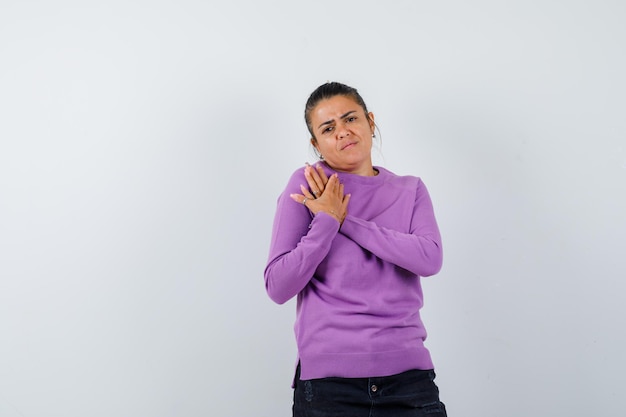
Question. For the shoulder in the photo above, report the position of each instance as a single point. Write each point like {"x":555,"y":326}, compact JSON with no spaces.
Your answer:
{"x":402,"y":181}
{"x":295,"y":180}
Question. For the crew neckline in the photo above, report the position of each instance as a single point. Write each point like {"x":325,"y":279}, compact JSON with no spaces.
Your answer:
{"x":363,"y":179}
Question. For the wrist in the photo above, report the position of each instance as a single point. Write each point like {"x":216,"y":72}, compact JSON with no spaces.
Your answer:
{"x":337,"y":217}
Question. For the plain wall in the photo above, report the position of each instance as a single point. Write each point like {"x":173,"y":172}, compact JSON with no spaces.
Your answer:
{"x":143,"y":145}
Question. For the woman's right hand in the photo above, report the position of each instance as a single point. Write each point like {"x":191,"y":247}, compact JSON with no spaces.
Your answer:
{"x":332,"y":199}
{"x":317,"y":179}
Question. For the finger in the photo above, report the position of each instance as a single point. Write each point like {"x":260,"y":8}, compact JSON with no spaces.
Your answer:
{"x":321,"y":173}
{"x":314,"y":180}
{"x":333,"y":183}
{"x":298,"y":198}
{"x":344,"y":205}
{"x":346,"y":200}
{"x":306,"y":192}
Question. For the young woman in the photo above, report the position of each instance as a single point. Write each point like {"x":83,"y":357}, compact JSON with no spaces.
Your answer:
{"x":351,"y":241}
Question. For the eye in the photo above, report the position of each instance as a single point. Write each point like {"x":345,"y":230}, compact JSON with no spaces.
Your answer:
{"x":328,"y":129}
{"x":351,"y":119}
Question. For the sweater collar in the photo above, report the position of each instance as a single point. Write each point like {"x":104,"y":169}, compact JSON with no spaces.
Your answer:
{"x":358,"y":179}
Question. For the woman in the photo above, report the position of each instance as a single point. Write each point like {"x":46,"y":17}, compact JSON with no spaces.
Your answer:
{"x":351,"y":241}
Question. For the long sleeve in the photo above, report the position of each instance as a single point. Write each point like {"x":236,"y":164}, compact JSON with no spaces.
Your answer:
{"x":419,"y":250}
{"x":358,"y":286}
{"x":299,"y":244}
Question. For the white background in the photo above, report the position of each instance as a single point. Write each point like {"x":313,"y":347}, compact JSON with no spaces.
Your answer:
{"x":144,"y":143}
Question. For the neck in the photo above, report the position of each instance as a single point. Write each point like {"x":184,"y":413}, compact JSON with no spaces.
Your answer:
{"x":366,"y":171}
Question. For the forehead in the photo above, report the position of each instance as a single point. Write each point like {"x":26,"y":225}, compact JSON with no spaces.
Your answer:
{"x":334,"y":107}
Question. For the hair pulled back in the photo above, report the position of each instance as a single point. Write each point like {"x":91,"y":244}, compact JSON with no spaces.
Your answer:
{"x":327,"y":91}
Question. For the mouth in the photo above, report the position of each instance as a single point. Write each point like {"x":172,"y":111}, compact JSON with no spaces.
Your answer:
{"x":348,"y":145}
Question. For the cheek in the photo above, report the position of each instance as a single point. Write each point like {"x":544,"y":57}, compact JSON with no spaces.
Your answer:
{"x":326,"y":145}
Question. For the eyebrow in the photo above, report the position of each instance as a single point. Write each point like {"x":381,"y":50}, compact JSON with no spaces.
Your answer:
{"x":341,"y":117}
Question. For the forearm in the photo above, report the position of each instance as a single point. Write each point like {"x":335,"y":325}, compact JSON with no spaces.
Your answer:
{"x":414,"y":245}
{"x":294,"y":259}
{"x":420,"y":253}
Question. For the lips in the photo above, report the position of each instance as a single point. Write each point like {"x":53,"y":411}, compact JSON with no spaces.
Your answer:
{"x":347,"y":145}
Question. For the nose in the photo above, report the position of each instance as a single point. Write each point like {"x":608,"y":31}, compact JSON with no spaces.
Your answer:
{"x":342,"y":132}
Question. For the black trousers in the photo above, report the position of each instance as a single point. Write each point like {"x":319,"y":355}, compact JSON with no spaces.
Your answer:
{"x":408,"y":394}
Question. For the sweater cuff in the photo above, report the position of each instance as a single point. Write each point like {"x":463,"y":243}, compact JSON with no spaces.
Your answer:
{"x":348,"y":225}
{"x":325,"y":221}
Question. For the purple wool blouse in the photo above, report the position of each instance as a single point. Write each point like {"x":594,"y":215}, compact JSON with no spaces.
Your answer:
{"x":358,"y":286}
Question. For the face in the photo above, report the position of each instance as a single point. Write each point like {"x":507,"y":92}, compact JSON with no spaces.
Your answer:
{"x":343,"y":135}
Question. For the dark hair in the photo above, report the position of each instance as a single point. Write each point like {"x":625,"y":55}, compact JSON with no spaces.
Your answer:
{"x":330,"y":90}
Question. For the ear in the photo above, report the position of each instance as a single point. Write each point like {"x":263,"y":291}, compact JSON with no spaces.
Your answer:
{"x":370,"y":119}
{"x":317,"y":148}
